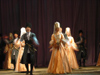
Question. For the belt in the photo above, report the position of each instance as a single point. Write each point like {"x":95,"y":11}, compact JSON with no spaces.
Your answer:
{"x":33,"y":50}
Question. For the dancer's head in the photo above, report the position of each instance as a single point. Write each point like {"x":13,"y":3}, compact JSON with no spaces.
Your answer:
{"x":68,"y":31}
{"x":28,"y":27}
{"x":11,"y":36}
{"x":16,"y":34}
{"x":56,"y":27}
{"x":80,"y":33}
{"x":23,"y":31}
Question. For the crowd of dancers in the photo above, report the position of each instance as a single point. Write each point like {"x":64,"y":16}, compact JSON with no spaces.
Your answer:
{"x":63,"y":46}
{"x":19,"y":51}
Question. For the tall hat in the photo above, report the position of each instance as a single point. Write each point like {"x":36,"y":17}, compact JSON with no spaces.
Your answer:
{"x":28,"y":25}
{"x":80,"y":31}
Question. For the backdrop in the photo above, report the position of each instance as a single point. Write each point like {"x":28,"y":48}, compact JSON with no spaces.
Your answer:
{"x":76,"y":14}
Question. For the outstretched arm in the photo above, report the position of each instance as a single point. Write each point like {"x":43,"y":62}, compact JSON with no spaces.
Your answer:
{"x":35,"y":40}
{"x":8,"y":42}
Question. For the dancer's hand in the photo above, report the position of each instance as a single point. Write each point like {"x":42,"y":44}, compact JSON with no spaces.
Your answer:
{"x":51,"y":49}
{"x":23,"y":43}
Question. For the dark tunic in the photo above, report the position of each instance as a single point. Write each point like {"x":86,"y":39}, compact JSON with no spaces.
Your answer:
{"x":82,"y":51}
{"x":29,"y":45}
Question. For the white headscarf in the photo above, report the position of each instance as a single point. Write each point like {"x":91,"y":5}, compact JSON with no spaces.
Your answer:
{"x":68,"y":30}
{"x":11,"y":36}
{"x":23,"y":31}
{"x":56,"y":25}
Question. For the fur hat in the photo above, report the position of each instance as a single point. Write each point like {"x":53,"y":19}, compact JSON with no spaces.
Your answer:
{"x":28,"y":25}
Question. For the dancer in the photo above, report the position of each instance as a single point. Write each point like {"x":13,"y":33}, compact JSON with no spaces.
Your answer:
{"x":15,"y":49}
{"x":8,"y":50}
{"x":29,"y":51}
{"x":81,"y":54}
{"x":58,"y":63}
{"x":98,"y":61}
{"x":21,"y":67}
{"x":70,"y":47}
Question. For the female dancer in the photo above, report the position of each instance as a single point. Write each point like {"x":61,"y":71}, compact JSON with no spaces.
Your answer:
{"x":8,"y":51}
{"x":58,"y":63}
{"x":70,"y":47}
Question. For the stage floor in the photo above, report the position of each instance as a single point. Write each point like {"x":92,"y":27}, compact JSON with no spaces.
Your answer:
{"x":43,"y":71}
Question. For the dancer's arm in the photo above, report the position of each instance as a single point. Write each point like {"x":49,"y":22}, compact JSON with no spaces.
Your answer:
{"x":52,"y":41}
{"x":35,"y":40}
{"x":73,"y":44}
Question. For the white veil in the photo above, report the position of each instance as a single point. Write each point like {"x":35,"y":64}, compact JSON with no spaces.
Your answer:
{"x":68,"y":30}
{"x":23,"y":31}
{"x":57,"y":24}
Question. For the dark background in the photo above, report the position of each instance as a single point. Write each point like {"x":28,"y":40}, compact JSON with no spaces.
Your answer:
{"x":76,"y":14}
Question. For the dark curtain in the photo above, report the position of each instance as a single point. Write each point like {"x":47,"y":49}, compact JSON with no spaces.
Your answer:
{"x":76,"y":14}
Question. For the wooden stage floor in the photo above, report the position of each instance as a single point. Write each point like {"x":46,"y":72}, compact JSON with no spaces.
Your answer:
{"x":43,"y":71}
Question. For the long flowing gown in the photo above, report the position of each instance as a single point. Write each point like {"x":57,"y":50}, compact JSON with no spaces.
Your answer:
{"x":58,"y":63}
{"x":7,"y":63}
{"x":98,"y":62}
{"x":21,"y":67}
{"x":71,"y":54}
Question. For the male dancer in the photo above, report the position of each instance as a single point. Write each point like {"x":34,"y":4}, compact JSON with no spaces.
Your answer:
{"x":15,"y":49}
{"x":29,"y":49}
{"x":81,"y":54}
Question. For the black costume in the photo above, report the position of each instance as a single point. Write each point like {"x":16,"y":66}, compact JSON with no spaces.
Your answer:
{"x":29,"y":49}
{"x":81,"y":54}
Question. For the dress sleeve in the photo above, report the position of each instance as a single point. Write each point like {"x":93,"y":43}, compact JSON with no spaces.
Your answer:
{"x":64,"y":41}
{"x":6,"y":48}
{"x":74,"y":44}
{"x":62,"y":36}
{"x":52,"y":39}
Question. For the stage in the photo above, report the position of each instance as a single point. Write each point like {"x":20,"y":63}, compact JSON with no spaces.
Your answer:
{"x":43,"y":71}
